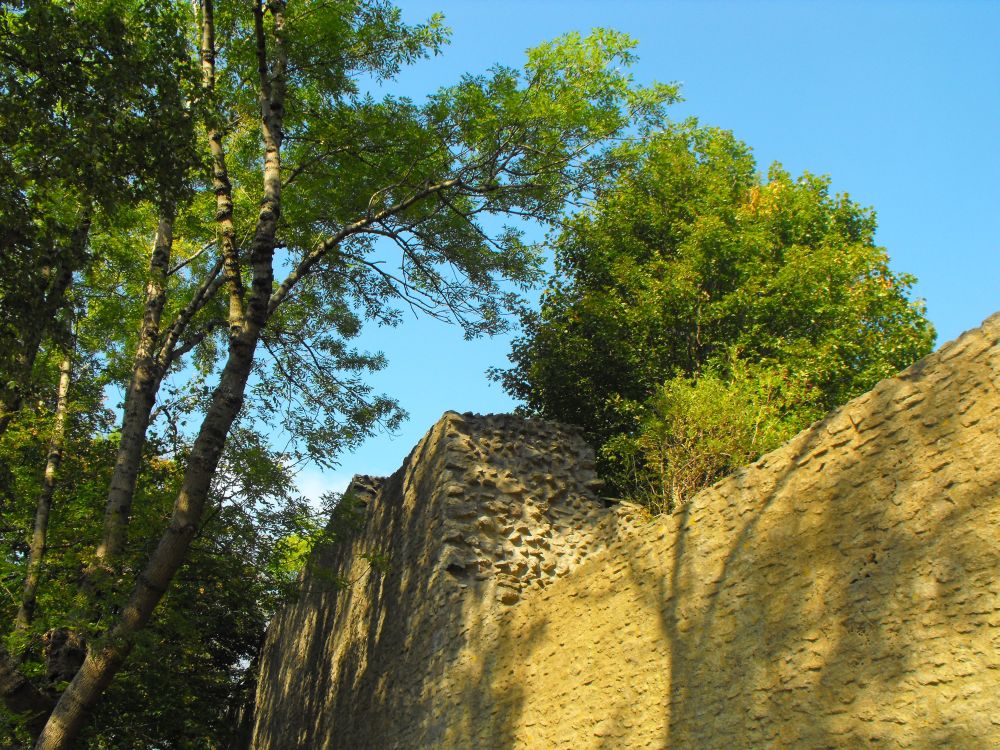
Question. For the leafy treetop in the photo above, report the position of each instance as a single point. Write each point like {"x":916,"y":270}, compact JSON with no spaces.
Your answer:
{"x":690,"y":264}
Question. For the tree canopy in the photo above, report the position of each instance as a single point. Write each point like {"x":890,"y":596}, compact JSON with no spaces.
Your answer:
{"x":207,"y":203}
{"x":700,"y":315}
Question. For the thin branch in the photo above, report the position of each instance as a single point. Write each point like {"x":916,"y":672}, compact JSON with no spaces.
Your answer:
{"x":311,"y":161}
{"x":209,"y":286}
{"x":306,"y":264}
{"x":191,"y":343}
{"x":193,"y":258}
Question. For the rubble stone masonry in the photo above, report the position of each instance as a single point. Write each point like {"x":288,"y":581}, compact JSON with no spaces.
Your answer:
{"x":841,"y":592}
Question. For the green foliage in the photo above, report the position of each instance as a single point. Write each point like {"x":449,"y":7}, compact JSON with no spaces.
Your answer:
{"x":693,"y":431}
{"x":386,"y":205}
{"x":700,"y":315}
{"x":95,"y":104}
{"x":94,"y":96}
{"x":196,"y":659}
{"x":688,"y":291}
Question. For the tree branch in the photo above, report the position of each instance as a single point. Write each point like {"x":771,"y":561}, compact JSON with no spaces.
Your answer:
{"x":193,"y":258}
{"x":314,"y":256}
{"x":220,"y":177}
{"x":209,"y":286}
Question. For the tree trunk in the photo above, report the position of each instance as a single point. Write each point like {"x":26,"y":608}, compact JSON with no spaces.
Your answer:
{"x":220,"y":177}
{"x":37,"y":555}
{"x":104,"y":661}
{"x":139,"y":402}
{"x":19,"y":695}
{"x":53,"y":299}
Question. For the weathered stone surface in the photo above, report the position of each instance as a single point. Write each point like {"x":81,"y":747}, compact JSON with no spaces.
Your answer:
{"x":840,"y":592}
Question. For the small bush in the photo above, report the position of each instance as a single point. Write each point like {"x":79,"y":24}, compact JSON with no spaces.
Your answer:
{"x":694,"y":431}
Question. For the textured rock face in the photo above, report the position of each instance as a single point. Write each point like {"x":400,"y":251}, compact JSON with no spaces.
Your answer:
{"x":840,"y":592}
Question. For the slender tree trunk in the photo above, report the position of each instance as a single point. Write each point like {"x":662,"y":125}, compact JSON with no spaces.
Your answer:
{"x":53,"y":299}
{"x":19,"y":695}
{"x":38,"y":539}
{"x":220,"y":176}
{"x":104,"y":660}
{"x":139,"y":401}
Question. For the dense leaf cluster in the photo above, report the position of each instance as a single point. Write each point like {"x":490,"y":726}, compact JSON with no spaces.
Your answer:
{"x":193,"y":668}
{"x":700,"y":315}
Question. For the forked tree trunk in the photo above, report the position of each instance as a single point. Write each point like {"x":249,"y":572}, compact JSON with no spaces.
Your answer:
{"x":139,"y":402}
{"x":107,"y":655}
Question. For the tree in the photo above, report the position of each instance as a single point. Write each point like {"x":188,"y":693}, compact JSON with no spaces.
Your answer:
{"x":692,"y":287}
{"x":84,"y":86}
{"x":194,"y":663}
{"x":360,"y":204}
{"x":83,"y":89}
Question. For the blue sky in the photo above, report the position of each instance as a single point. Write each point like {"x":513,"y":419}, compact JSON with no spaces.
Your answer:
{"x":898,"y":102}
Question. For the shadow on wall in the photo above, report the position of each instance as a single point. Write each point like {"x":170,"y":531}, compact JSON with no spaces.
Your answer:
{"x":842,"y":592}
{"x":401,"y":658}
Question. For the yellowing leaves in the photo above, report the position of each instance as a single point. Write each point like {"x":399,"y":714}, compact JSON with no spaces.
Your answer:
{"x":762,"y":200}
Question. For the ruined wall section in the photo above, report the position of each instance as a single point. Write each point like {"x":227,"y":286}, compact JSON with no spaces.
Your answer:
{"x":841,"y":592}
{"x":375,"y":651}
{"x":520,"y":509}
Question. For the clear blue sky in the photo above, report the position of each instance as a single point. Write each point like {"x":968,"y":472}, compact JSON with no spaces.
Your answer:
{"x":898,"y":102}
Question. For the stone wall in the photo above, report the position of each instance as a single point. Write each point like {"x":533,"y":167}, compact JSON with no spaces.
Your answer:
{"x":842,"y":591}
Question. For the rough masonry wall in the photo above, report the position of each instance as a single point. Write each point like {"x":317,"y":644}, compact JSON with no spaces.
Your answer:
{"x":841,"y":592}
{"x":484,"y":511}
